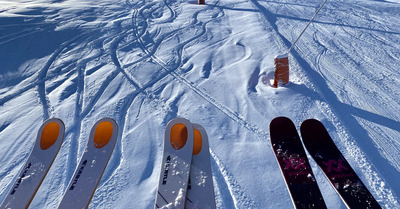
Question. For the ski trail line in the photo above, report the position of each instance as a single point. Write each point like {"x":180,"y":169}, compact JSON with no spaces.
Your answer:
{"x":41,"y":86}
{"x":224,"y":109}
{"x":238,"y":195}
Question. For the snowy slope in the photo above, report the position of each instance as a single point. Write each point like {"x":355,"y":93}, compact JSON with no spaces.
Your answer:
{"x":144,"y":63}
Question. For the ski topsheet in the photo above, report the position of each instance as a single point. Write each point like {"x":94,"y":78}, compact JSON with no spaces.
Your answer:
{"x":335,"y":167}
{"x":47,"y":145}
{"x":294,"y":165}
{"x":101,"y":143}
{"x":175,"y":166}
{"x":201,"y":189}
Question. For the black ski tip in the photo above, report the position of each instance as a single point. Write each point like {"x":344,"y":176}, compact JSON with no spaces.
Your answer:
{"x":311,"y":123}
{"x":279,"y":121}
{"x":281,"y":127}
{"x":279,"y":124}
{"x":317,"y":140}
{"x":313,"y":129}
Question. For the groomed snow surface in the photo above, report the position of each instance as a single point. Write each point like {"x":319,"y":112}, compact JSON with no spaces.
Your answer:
{"x":145,"y":62}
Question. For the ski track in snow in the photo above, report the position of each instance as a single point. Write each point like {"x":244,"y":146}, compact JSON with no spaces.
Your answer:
{"x":172,"y":70}
{"x":131,"y":53}
{"x":237,"y":198}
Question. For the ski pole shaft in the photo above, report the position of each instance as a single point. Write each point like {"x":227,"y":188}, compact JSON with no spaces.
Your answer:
{"x":306,"y":26}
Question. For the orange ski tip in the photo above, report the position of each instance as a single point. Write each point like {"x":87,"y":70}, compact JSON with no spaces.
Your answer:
{"x":178,"y":136}
{"x":198,"y":142}
{"x":49,"y":135}
{"x":103,"y":134}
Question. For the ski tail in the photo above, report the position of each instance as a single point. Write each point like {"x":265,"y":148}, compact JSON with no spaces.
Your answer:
{"x":48,"y":143}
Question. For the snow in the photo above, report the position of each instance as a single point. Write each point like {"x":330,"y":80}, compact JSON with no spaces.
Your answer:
{"x":177,"y":204}
{"x":281,"y":56}
{"x":144,"y":63}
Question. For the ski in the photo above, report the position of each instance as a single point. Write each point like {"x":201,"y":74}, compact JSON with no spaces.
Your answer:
{"x":47,"y":145}
{"x":201,"y":190}
{"x":335,"y":167}
{"x":294,"y":165}
{"x":175,"y":166}
{"x":101,"y":143}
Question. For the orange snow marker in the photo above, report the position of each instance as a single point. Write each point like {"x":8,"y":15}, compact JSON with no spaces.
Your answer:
{"x":281,"y":70}
{"x":282,"y":61}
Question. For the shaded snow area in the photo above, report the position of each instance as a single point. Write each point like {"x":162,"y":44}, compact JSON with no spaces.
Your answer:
{"x":146,"y":62}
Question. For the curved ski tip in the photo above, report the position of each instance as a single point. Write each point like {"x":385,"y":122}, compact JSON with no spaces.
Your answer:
{"x":311,"y":120}
{"x":314,"y":130}
{"x":179,"y":133}
{"x":52,"y":129}
{"x":310,"y":123}
{"x":200,"y":138}
{"x":104,"y":132}
{"x":178,"y":136}
{"x":281,"y":118}
{"x":279,"y":121}
{"x":198,"y":142}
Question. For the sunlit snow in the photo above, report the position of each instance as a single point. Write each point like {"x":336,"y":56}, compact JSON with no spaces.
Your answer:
{"x":146,"y":62}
